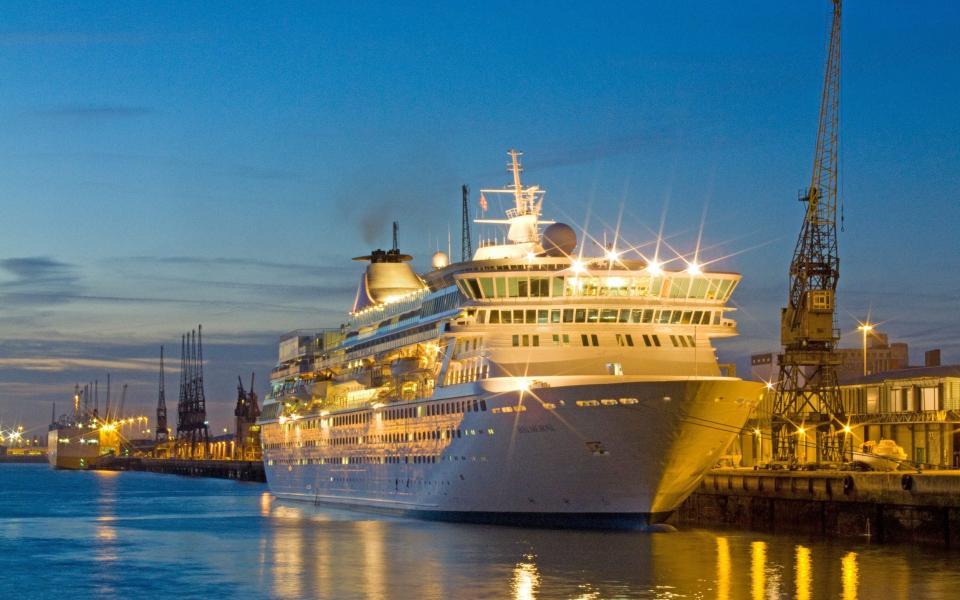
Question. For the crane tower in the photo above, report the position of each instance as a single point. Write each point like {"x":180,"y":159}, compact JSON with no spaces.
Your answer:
{"x":807,"y":396}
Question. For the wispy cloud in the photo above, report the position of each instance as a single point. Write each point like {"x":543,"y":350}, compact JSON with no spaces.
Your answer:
{"x":38,"y":280}
{"x":324,"y":269}
{"x":60,"y":364}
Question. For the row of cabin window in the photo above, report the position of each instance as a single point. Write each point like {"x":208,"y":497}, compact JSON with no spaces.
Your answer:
{"x":356,"y":460}
{"x":436,"y":409}
{"x":677,"y":286}
{"x":400,"y":335}
{"x":623,"y":339}
{"x":385,"y":438}
{"x":352,"y":419}
{"x":598,"y":315}
{"x":440,"y":304}
{"x":409,"y":412}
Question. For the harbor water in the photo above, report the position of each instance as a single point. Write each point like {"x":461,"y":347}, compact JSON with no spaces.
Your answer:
{"x":68,"y":534}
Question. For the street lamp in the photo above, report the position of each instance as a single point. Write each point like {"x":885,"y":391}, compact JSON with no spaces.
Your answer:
{"x":865,"y":328}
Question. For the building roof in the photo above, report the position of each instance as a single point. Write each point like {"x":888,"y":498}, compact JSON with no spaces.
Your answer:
{"x":908,"y":373}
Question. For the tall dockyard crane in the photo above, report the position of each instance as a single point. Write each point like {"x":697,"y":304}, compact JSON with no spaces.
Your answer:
{"x":162,"y":434}
{"x":807,"y":394}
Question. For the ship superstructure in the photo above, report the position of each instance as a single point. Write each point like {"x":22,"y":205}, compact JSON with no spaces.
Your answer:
{"x":531,"y":384}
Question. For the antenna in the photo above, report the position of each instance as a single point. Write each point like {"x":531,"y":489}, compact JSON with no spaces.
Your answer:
{"x":106,"y":411}
{"x":466,"y":244}
{"x":516,"y":168}
{"x":396,"y":230}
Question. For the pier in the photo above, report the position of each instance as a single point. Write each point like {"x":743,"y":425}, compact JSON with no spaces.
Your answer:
{"x":883,"y":507}
{"x":240,"y":470}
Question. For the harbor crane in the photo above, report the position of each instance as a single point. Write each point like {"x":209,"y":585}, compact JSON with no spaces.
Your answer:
{"x":807,"y":394}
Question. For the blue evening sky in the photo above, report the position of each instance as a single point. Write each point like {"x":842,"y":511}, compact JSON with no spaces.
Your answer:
{"x":164,"y":164}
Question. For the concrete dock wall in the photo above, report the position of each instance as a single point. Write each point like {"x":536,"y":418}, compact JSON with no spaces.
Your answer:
{"x":901,"y":507}
{"x":241,"y":470}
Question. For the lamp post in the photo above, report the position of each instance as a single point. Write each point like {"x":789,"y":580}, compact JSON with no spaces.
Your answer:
{"x":865,"y":328}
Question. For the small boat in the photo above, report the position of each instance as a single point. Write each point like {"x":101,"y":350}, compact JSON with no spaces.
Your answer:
{"x":884,"y":455}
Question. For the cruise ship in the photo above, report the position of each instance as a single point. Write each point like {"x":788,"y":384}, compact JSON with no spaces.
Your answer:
{"x":539,"y":383}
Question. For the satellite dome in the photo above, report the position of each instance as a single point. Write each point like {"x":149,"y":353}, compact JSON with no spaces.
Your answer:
{"x":559,"y":239}
{"x":440,"y":260}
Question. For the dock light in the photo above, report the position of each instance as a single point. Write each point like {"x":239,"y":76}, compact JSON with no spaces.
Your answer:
{"x":801,"y":431}
{"x":694,"y":269}
{"x":756,"y":431}
{"x":523,"y":384}
{"x":578,"y":267}
{"x":847,"y":429}
{"x":654,"y":267}
{"x":769,"y":385}
{"x":612,"y":255}
{"x":531,"y":256}
{"x":865,"y":328}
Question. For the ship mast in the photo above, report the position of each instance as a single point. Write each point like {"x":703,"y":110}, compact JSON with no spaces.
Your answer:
{"x":524,"y":217}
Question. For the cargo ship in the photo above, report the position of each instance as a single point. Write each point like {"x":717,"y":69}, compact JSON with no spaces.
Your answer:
{"x":79,"y":440}
{"x":538,"y":382}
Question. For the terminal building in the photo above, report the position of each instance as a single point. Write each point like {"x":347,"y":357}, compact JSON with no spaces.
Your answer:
{"x":917,"y":407}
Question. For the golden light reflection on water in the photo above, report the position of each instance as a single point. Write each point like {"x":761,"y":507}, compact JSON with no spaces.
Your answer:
{"x":850,"y":576}
{"x":374,"y":559}
{"x":287,"y":559}
{"x":526,"y":579}
{"x":802,"y":573}
{"x":758,"y":566}
{"x":723,"y":569}
{"x":265,"y":500}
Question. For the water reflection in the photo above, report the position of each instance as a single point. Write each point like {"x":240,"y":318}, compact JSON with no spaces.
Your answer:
{"x":802,"y":573}
{"x":850,"y":576}
{"x":526,"y":580}
{"x":758,"y":569}
{"x":265,"y":500}
{"x":105,"y":548}
{"x":723,"y":569}
{"x":101,"y":534}
{"x":374,"y":559}
{"x":287,"y":556}
{"x":317,"y":552}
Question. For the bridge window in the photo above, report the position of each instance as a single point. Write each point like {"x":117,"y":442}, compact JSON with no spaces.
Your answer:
{"x":486,"y":285}
{"x":539,"y":287}
{"x":557,"y":285}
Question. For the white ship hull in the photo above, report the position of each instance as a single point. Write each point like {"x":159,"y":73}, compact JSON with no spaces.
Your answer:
{"x":626,"y":461}
{"x":72,"y":447}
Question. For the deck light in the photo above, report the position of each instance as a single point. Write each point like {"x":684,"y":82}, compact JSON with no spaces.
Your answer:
{"x":654,"y":267}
